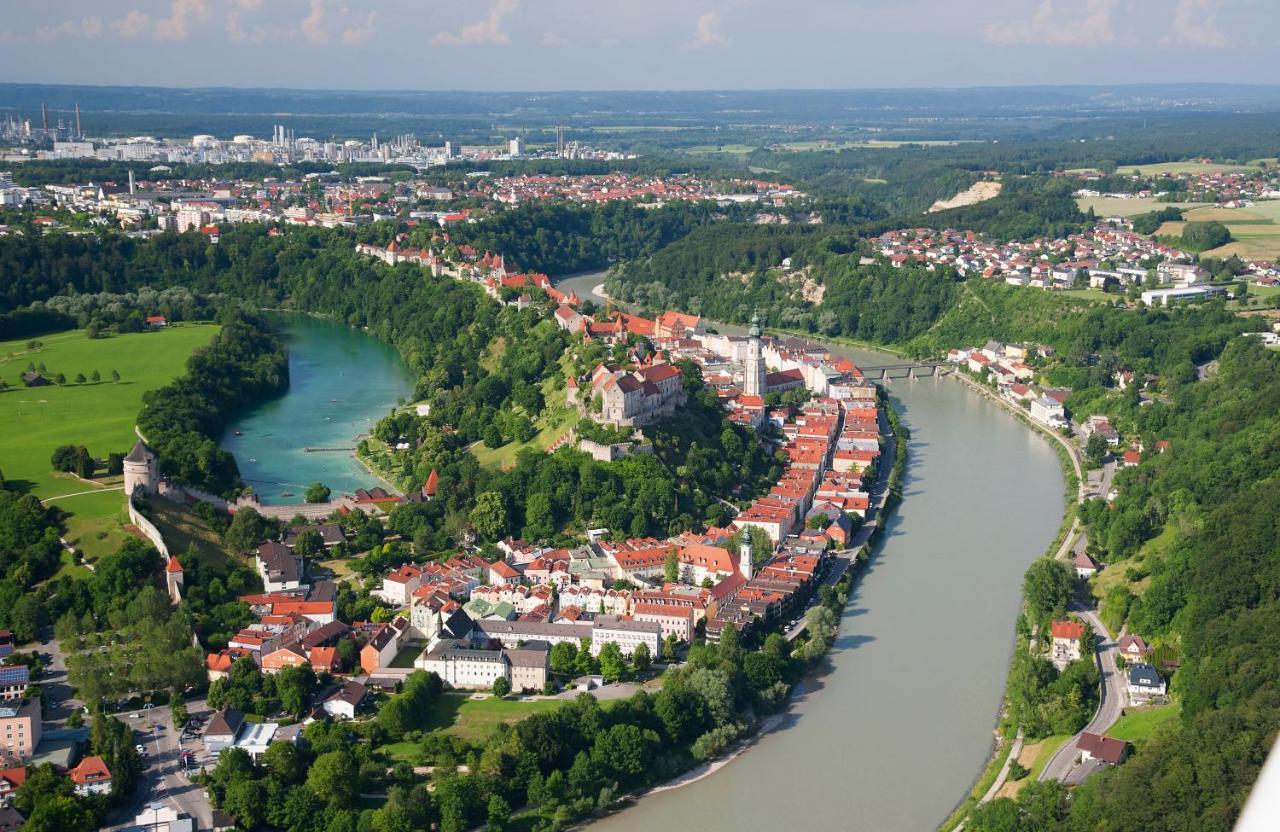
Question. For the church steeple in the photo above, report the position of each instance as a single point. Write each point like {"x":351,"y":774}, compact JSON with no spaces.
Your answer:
{"x":753,"y":382}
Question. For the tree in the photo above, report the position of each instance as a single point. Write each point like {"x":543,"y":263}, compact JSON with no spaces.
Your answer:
{"x":317,"y":492}
{"x":671,"y":569}
{"x":1095,"y":450}
{"x":95,"y":377}
{"x":115,"y":375}
{"x":246,"y":800}
{"x":294,"y":686}
{"x":612,"y":664}
{"x":489,"y":517}
{"x":80,"y":378}
{"x":333,"y":777}
{"x":60,"y":379}
{"x":641,"y":657}
{"x":625,"y":750}
{"x":1047,"y":587}
{"x":308,"y":543}
{"x":499,"y":814}
{"x":115,"y":464}
{"x":562,"y":657}
{"x":61,"y":814}
{"x":501,"y":687}
{"x":248,"y":528}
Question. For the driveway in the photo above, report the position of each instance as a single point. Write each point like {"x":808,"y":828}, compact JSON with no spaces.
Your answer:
{"x":1110,"y":707}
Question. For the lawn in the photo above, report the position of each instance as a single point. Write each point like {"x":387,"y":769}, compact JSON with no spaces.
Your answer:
{"x":100,"y":416}
{"x":1047,"y":747}
{"x":1173,"y":168}
{"x":475,"y":719}
{"x":1137,"y":726}
{"x":406,"y":657}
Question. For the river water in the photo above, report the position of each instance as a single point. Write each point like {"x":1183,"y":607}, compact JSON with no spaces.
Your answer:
{"x":892,"y":731}
{"x":341,"y":381}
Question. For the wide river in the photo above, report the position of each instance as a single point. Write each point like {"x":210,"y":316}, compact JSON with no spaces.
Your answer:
{"x":891,"y":733}
{"x":341,"y":381}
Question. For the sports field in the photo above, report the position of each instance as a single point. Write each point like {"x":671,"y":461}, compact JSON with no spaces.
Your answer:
{"x":100,"y":416}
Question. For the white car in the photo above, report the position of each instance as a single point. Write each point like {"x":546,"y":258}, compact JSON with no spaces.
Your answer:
{"x":140,"y":749}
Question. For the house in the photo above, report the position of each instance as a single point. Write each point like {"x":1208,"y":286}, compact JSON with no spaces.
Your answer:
{"x":157,"y":817}
{"x":468,"y":668}
{"x":20,"y":730}
{"x":673,"y":620}
{"x":11,"y":820}
{"x":288,"y":656}
{"x":222,"y":730}
{"x":11,"y":779}
{"x":627,"y":634}
{"x":1133,"y":648}
{"x":14,"y":681}
{"x":1102,"y":748}
{"x":1048,"y":411}
{"x":1066,"y":641}
{"x":1132,"y":459}
{"x":91,"y":777}
{"x":1086,"y":566}
{"x":6,"y":643}
{"x":501,"y":573}
{"x":398,"y":586}
{"x":384,"y":645}
{"x":346,"y":701}
{"x":1144,"y":683}
{"x":156,"y":321}
{"x":278,"y":567}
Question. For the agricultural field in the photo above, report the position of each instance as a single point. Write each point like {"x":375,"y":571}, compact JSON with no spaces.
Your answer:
{"x":1111,"y":207}
{"x":99,"y":415}
{"x":1175,"y":168}
{"x":1256,"y":230}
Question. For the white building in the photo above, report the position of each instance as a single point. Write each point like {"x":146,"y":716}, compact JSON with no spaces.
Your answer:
{"x":628,"y":635}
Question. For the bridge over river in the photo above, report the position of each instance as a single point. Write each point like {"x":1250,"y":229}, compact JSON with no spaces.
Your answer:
{"x":915,"y":369}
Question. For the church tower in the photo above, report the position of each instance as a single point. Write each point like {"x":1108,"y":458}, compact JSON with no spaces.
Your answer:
{"x":745,"y":554}
{"x":753,"y":381}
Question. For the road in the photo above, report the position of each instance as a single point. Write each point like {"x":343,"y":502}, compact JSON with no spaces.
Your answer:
{"x":1110,"y":707}
{"x":162,"y":780}
{"x":53,"y":682}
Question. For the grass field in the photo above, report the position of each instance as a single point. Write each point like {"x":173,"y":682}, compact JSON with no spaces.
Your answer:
{"x":183,"y":531}
{"x":472,"y":719}
{"x":1110,"y":207}
{"x":1137,"y":726}
{"x":99,"y":416}
{"x":1173,"y":168}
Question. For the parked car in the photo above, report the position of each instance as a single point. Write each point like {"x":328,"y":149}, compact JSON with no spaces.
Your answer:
{"x":140,"y":749}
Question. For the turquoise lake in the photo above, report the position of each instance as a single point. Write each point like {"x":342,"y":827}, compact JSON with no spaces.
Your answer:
{"x":341,"y":382}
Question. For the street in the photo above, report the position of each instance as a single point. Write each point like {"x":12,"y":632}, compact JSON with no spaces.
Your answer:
{"x":162,"y":778}
{"x":1110,"y":706}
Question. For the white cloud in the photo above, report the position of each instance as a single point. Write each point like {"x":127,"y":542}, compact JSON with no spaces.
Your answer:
{"x":707,"y":34}
{"x":488,"y":30}
{"x":362,"y":31}
{"x":554,"y":39}
{"x":1195,"y":24}
{"x":1051,"y":27}
{"x":177,"y":26}
{"x":313,"y":26}
{"x":85,"y":27}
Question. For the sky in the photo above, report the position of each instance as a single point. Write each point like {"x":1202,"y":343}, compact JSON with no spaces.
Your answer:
{"x":636,"y":44}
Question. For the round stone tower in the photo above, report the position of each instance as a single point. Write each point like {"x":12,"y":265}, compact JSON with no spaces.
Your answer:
{"x":141,"y":470}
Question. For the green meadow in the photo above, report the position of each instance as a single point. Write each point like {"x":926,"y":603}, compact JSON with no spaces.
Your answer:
{"x":100,"y":416}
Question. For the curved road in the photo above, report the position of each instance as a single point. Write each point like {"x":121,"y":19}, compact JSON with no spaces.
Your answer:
{"x":1110,"y":707}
